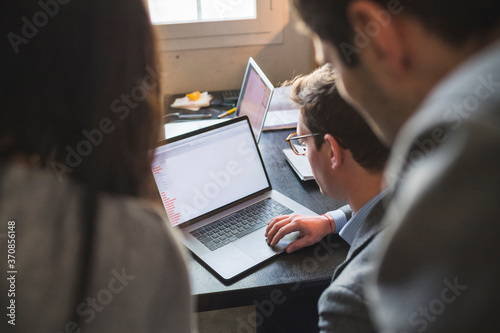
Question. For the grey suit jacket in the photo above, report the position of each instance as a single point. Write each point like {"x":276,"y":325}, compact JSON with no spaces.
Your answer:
{"x":343,"y":306}
{"x":441,"y":269}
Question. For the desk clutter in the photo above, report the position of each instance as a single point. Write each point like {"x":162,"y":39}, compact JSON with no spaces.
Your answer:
{"x":193,"y":101}
{"x":283,"y":113}
{"x":209,"y":106}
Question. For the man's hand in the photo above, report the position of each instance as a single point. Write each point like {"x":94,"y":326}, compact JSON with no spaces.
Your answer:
{"x":312,"y":229}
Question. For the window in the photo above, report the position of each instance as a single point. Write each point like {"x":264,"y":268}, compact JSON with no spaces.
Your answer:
{"x":198,"y":24}
{"x":175,"y":11}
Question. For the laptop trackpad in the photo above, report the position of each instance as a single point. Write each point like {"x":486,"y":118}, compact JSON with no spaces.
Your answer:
{"x":255,"y":244}
{"x":228,"y":261}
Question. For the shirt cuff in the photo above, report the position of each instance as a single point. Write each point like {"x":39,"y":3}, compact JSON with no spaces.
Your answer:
{"x":339,"y":219}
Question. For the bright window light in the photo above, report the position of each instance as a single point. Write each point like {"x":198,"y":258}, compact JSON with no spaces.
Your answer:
{"x":175,"y":11}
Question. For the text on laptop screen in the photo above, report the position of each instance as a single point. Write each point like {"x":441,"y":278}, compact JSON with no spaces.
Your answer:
{"x":254,"y":99}
{"x":201,"y":173}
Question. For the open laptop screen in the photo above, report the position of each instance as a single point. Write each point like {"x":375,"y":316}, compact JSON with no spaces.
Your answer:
{"x":255,"y":97}
{"x":208,"y":169}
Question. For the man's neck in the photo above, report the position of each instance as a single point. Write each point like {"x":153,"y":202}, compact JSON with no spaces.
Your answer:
{"x":363,"y":188}
{"x":434,"y":67}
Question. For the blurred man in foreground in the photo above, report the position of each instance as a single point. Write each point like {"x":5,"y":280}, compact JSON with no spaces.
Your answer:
{"x":426,"y":75}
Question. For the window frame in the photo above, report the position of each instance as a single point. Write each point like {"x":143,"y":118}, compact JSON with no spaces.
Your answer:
{"x":265,"y":29}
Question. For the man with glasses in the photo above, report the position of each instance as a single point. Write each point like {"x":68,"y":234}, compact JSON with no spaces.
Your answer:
{"x":347,"y":161}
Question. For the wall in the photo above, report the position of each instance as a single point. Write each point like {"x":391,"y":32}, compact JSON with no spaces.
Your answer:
{"x":223,"y":68}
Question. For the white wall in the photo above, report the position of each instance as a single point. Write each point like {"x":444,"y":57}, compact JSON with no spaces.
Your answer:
{"x":223,"y":68}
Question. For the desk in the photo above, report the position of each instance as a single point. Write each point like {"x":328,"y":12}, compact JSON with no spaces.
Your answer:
{"x":305,"y":273}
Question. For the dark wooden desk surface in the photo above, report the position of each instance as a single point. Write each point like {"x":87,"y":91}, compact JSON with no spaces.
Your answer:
{"x":305,"y":273}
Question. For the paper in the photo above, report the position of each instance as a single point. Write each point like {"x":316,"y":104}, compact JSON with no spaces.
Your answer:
{"x":281,"y":99}
{"x":283,"y":112}
{"x":187,"y":104}
{"x":281,"y":119}
{"x":174,"y":129}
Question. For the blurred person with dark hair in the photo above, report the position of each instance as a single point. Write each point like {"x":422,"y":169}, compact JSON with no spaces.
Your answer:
{"x":81,"y":113}
{"x":347,"y":161}
{"x":426,"y":75}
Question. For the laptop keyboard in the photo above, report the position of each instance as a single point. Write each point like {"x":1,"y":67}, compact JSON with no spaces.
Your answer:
{"x":232,"y":227}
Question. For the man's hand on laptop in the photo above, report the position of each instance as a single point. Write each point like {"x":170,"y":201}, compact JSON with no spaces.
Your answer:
{"x":312,"y":229}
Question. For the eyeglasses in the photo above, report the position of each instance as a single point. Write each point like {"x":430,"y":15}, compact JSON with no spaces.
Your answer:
{"x":297,"y":142}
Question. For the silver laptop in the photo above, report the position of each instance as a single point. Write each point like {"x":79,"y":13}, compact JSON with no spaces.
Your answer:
{"x":255,"y":97}
{"x":216,"y":190}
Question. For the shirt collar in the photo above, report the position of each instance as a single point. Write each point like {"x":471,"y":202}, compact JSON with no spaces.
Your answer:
{"x":348,"y":233}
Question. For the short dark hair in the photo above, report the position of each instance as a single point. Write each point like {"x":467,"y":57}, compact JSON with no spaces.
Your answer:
{"x":63,"y":80}
{"x":455,"y":21}
{"x":325,"y":111}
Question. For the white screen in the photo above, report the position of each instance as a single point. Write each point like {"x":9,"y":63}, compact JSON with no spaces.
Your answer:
{"x":201,"y":173}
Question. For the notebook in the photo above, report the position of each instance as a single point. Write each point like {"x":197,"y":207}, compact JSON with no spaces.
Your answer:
{"x":255,"y":97}
{"x":208,"y":176}
{"x":300,"y":164}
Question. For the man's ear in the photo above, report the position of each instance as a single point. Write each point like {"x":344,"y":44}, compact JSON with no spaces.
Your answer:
{"x":377,"y":35}
{"x":334,"y":150}
{"x":319,"y":54}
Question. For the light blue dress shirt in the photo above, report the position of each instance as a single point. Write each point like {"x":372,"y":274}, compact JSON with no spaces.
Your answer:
{"x":348,"y":229}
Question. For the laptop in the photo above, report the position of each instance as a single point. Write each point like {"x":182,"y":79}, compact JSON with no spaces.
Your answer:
{"x":253,"y":101}
{"x":216,"y":191}
{"x":255,"y":97}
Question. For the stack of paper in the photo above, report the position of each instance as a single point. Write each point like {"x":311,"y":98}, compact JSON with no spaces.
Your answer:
{"x":283,"y":113}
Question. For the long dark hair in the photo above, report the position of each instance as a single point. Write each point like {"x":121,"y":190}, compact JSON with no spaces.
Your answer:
{"x":80,"y":91}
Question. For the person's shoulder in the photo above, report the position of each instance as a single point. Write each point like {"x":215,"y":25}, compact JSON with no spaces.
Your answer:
{"x":349,"y":286}
{"x":360,"y":268}
{"x":133,"y":209}
{"x":467,"y":149}
{"x":139,"y":218}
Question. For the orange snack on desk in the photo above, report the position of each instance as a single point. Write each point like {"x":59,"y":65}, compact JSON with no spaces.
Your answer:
{"x":194,"y":96}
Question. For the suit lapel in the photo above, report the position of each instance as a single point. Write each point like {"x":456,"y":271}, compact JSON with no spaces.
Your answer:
{"x":369,"y":228}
